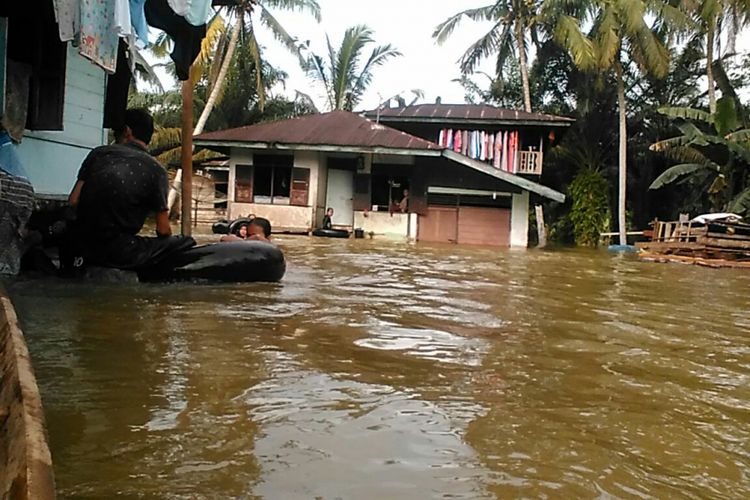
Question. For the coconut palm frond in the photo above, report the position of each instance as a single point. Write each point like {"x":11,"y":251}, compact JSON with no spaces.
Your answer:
{"x":165,"y":138}
{"x":444,"y":30}
{"x":498,"y":35}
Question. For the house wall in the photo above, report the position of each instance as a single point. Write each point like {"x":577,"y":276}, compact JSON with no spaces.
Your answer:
{"x":383,"y":223}
{"x":519,"y":220}
{"x":52,"y":158}
{"x":282,"y":217}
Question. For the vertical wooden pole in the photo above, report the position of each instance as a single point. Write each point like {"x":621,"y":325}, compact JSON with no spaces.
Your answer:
{"x":541,"y":230}
{"x":187,"y":157}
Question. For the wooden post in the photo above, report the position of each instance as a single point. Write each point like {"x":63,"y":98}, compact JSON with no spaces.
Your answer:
{"x":187,"y":156}
{"x":541,"y":231}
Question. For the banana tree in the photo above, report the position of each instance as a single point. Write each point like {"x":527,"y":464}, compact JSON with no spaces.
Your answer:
{"x":713,"y":151}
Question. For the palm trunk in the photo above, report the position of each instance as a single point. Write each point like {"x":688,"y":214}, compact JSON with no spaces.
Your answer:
{"x":623,"y":157}
{"x":710,"y":36}
{"x":521,"y":46}
{"x":221,"y":77}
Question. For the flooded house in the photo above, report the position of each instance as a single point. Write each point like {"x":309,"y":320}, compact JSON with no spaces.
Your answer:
{"x":469,"y":173}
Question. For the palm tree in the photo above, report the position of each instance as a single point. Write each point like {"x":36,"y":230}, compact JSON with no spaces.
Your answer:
{"x":344,"y":81}
{"x":513,"y":20}
{"x":620,"y":34}
{"x":711,"y":16}
{"x":240,"y":15}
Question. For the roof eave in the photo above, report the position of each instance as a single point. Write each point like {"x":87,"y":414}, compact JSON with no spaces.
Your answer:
{"x":513,"y":179}
{"x":324,"y":148}
{"x":472,"y":121}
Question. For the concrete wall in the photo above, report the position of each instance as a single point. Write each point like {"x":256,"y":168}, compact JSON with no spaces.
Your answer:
{"x":282,"y":217}
{"x":52,"y":158}
{"x":519,"y":220}
{"x":383,"y":223}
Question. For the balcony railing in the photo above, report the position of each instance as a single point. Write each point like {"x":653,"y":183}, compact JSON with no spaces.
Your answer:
{"x":530,"y":163}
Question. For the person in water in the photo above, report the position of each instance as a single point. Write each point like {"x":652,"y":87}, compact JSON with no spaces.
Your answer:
{"x":259,"y":229}
{"x":327,"y":219}
{"x":119,"y":186}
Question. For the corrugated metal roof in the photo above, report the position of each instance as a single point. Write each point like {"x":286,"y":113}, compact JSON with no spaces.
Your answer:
{"x":337,"y":128}
{"x":455,"y":113}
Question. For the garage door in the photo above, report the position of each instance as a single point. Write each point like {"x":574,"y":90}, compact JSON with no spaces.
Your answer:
{"x":466,"y":225}
{"x":438,"y":225}
{"x":484,"y":226}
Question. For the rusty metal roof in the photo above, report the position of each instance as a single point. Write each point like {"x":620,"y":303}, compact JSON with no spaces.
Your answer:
{"x":465,"y":113}
{"x":337,"y":128}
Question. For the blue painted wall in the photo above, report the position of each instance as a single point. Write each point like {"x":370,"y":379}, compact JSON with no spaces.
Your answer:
{"x":52,"y":158}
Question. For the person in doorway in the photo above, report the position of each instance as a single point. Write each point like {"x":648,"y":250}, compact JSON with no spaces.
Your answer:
{"x":403,"y":205}
{"x":121,"y":185}
{"x":328,"y":219}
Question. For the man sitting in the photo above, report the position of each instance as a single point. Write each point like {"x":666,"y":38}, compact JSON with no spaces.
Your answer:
{"x":120,"y":185}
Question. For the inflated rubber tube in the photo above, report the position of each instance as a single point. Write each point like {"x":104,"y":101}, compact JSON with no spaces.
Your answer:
{"x":331,"y":233}
{"x":235,"y":261}
{"x":220,"y":227}
{"x":234,"y":226}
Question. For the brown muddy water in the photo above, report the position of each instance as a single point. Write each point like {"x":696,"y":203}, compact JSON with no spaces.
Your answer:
{"x":388,"y":370}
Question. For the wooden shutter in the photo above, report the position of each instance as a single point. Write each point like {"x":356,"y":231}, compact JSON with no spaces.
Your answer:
{"x":362,"y":192}
{"x":243,"y":184}
{"x":300,"y":187}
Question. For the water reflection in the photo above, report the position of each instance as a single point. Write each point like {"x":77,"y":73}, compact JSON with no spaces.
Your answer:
{"x":378,"y":370}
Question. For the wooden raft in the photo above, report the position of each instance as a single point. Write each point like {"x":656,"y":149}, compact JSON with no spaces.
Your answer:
{"x":714,"y":244}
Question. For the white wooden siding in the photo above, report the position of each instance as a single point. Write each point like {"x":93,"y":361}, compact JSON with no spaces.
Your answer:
{"x":52,"y":158}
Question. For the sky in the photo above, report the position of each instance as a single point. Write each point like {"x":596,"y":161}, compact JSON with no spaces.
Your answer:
{"x":407,"y":24}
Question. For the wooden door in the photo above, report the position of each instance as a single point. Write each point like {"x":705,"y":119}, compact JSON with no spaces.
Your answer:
{"x":439,"y":224}
{"x":484,"y":226}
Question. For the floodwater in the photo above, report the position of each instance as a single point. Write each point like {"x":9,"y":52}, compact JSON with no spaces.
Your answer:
{"x":388,"y":370}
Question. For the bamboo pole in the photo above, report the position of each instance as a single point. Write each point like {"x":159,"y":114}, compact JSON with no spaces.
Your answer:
{"x":187,"y":156}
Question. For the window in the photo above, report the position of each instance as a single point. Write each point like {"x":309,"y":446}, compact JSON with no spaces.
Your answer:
{"x":272,"y":179}
{"x":36,"y":65}
{"x":387,"y":191}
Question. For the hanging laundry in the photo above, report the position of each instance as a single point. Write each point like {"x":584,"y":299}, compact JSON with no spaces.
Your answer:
{"x":186,"y":37}
{"x":490,"y":145}
{"x":464,"y":142}
{"x":138,"y":22}
{"x":98,"y":40}
{"x":68,"y":17}
{"x":496,"y":153}
{"x":122,"y":23}
{"x":441,"y":135}
{"x":457,"y":141}
{"x":449,"y":144}
{"x":199,"y":13}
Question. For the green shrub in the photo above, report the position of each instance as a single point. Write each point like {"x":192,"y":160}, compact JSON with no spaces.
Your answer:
{"x":589,"y":214}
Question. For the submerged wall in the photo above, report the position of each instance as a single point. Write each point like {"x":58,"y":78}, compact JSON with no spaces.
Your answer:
{"x":25,"y":460}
